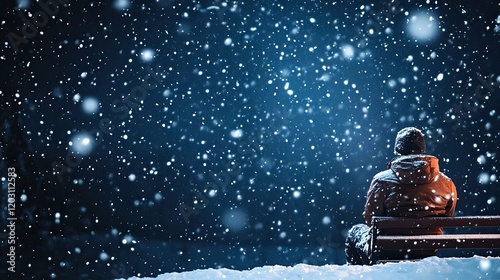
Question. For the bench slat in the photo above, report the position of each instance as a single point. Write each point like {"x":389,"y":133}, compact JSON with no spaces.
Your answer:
{"x":468,"y":221}
{"x":469,"y":241}
{"x":422,"y":242}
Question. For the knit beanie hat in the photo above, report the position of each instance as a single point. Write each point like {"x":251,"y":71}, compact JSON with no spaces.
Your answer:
{"x":409,"y":140}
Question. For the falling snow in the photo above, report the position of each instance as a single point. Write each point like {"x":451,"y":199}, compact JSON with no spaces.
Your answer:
{"x":90,"y":105}
{"x":423,"y":26}
{"x":147,"y":55}
{"x":82,"y":144}
{"x":164,"y":136}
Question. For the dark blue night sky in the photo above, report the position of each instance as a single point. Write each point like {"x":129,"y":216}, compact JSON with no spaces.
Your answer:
{"x":160,"y":136}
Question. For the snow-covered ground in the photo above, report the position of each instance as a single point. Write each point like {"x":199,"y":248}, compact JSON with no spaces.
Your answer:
{"x":427,"y":269}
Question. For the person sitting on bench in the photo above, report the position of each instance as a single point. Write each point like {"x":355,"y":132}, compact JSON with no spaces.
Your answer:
{"x":412,"y":186}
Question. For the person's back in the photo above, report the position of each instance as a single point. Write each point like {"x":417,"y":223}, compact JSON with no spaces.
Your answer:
{"x":412,"y":186}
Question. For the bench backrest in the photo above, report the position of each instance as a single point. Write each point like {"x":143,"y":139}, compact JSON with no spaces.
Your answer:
{"x":381,"y":222}
{"x":433,"y":241}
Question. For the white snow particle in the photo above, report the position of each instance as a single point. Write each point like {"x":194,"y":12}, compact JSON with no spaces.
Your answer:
{"x":347,"y":51}
{"x":483,"y":178}
{"x":82,"y":143}
{"x":132,"y":177}
{"x":481,"y":159}
{"x":147,"y":55}
{"x":104,"y":256}
{"x":158,"y":196}
{"x":121,"y":4}
{"x":296,"y":194}
{"x":90,"y":105}
{"x":237,"y":133}
{"x":423,"y":26}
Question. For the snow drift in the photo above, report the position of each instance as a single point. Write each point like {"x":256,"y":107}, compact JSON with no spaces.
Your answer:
{"x":427,"y":269}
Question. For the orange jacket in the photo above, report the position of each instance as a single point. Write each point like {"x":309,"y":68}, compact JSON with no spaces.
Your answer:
{"x":413,"y":186}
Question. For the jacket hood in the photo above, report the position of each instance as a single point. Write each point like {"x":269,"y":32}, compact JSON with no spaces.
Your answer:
{"x":415,"y":169}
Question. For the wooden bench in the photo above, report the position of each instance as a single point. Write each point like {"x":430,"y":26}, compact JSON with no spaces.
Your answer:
{"x":422,"y":242}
